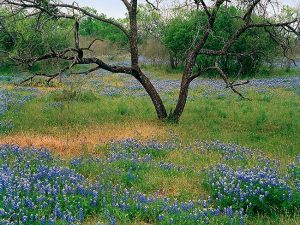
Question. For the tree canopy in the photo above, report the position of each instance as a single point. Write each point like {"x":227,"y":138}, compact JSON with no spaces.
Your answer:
{"x":92,"y":27}
{"x":183,"y":31}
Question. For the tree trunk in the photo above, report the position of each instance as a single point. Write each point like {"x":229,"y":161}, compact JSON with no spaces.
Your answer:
{"x":184,"y":88}
{"x":133,"y":35}
{"x":156,"y":99}
{"x":172,"y":61}
{"x":152,"y":92}
{"x":183,"y":94}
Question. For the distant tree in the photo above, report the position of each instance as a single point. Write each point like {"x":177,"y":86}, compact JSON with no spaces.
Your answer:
{"x":76,"y":55}
{"x":181,"y":31}
{"x":178,"y":36}
{"x":290,"y":44}
{"x":93,"y":27}
{"x":151,"y":26}
{"x":23,"y":37}
{"x":6,"y":40}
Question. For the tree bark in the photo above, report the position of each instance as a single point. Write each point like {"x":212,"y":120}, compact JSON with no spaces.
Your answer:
{"x":133,"y":35}
{"x":181,"y":102}
{"x":155,"y":97}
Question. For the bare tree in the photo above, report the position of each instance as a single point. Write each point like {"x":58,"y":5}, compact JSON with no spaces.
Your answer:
{"x":76,"y":55}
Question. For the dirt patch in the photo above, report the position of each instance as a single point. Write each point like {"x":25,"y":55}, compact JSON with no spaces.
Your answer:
{"x":75,"y":142}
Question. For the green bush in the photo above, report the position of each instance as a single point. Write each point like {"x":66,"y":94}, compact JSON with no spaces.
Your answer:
{"x":179,"y":37}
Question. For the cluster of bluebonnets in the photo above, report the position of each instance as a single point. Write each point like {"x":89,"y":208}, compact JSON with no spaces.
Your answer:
{"x":15,"y":98}
{"x":38,"y":188}
{"x":231,"y":151}
{"x":294,"y":172}
{"x":5,"y":100}
{"x":35,"y":189}
{"x":258,"y":189}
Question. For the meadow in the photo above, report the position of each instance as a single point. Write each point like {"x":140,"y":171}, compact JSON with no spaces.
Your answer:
{"x":90,"y":150}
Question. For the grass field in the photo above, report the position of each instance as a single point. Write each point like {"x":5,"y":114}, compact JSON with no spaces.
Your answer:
{"x":113,"y":162}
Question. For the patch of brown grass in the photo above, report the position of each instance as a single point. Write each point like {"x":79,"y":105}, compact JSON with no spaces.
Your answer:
{"x":75,"y":142}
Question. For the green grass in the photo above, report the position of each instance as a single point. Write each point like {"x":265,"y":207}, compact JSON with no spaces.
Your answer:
{"x":271,"y":124}
{"x":77,"y":114}
{"x":164,"y":71}
{"x":269,"y":121}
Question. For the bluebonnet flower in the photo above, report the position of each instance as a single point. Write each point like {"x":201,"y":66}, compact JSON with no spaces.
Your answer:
{"x":33,"y":184}
{"x":15,"y":98}
{"x":251,"y":188}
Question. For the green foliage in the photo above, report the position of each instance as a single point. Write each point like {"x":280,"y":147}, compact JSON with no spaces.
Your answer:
{"x":179,"y":34}
{"x":33,"y":36}
{"x":7,"y":41}
{"x":96,"y":28}
{"x":185,"y":30}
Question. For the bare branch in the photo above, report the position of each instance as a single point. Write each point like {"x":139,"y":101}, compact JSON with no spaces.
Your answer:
{"x":127,"y":4}
{"x":228,"y":84}
{"x":92,"y":43}
{"x":247,"y":26}
{"x":204,"y":7}
{"x":50,"y":76}
{"x":152,"y":5}
{"x":224,"y":76}
{"x":248,"y":14}
{"x":87,"y":71}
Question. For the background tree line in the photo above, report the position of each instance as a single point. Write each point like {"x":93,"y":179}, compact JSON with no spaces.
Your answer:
{"x":163,"y":40}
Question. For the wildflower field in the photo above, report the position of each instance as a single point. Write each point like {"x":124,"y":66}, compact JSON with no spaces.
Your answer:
{"x":89,"y":150}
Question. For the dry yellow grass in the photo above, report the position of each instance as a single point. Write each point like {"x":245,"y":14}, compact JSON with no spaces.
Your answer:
{"x":71,"y":143}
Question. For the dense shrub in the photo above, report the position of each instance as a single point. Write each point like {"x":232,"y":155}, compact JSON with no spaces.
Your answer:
{"x":30,"y":37}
